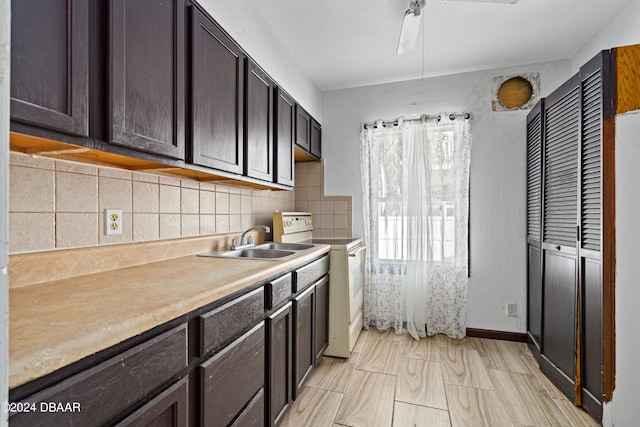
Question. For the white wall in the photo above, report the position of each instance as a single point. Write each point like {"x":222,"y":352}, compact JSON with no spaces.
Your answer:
{"x":622,"y":30}
{"x":623,"y":409}
{"x":5,"y":34}
{"x":498,"y":168}
{"x":247,"y":26}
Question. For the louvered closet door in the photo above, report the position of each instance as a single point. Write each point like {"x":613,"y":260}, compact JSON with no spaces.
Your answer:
{"x":593,"y":75}
{"x":560,"y":220}
{"x":534,"y":226}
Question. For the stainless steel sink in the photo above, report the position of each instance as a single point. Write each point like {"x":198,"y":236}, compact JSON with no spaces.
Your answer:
{"x":251,"y":253}
{"x":266,"y":251}
{"x":285,"y":246}
{"x":257,"y":253}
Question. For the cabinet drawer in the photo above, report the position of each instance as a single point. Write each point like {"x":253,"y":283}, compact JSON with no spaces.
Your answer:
{"x":105,"y":390}
{"x":225,"y":322}
{"x":253,"y":414}
{"x":279,"y":290}
{"x":169,"y":408}
{"x":232,"y":377}
{"x":310,"y":273}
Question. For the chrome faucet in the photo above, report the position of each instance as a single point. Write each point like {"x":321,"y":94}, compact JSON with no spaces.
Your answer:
{"x":242,"y":244}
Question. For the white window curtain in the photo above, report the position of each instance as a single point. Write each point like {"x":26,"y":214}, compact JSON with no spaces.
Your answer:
{"x":415,"y":177}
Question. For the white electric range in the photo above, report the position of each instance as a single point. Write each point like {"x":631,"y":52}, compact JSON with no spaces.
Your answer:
{"x":346,"y":278}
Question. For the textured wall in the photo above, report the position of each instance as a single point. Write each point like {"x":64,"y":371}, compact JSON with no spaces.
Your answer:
{"x":621,"y":30}
{"x":498,"y":168}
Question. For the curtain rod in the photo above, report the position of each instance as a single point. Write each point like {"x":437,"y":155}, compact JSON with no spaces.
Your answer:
{"x":438,"y":117}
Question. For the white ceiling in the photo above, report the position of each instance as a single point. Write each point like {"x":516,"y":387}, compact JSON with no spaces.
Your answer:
{"x":349,"y":43}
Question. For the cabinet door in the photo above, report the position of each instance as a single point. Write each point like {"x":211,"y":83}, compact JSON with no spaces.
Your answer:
{"x":232,"y":377}
{"x":50,"y":64}
{"x":279,"y":381}
{"x":285,"y":134}
{"x":316,"y":139}
{"x":217,"y":92}
{"x":253,"y":414}
{"x":303,"y":338}
{"x":595,"y":78}
{"x":560,"y":219}
{"x":168,"y":409}
{"x":146,"y":42}
{"x":534,"y":224}
{"x":322,"y":317}
{"x":259,"y":124}
{"x":303,"y":129}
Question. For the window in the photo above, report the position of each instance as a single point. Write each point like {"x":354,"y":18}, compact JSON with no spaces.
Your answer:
{"x":392,"y":221}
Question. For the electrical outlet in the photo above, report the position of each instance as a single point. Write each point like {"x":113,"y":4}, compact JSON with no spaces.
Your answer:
{"x":512,"y":309}
{"x":112,"y":221}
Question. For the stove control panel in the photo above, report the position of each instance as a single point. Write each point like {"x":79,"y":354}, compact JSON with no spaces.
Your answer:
{"x":291,"y":222}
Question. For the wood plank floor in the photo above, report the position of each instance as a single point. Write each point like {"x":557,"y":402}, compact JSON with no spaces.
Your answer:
{"x":393,"y":380}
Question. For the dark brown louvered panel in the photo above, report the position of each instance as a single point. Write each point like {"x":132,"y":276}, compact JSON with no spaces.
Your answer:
{"x":534,"y":177}
{"x":561,"y":169}
{"x":591,"y":161}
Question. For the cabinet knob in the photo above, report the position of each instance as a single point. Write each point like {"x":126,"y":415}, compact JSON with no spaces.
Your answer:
{"x":558,"y":247}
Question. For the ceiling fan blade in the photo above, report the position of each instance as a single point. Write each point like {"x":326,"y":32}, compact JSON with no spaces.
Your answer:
{"x":485,"y":1}
{"x":409,"y":32}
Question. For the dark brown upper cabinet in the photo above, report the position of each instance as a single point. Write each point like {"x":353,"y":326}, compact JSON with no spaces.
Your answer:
{"x":285,"y":133}
{"x":303,"y":129}
{"x":308,"y":136}
{"x":50,"y":64}
{"x":147,"y":67}
{"x":217,"y":94}
{"x":155,"y":81}
{"x":258,"y":124}
{"x":316,"y":139}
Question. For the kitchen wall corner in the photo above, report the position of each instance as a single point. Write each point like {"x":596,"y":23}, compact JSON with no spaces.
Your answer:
{"x":332,"y":215}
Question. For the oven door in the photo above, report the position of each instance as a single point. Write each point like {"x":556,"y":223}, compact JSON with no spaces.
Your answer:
{"x":356,"y":279}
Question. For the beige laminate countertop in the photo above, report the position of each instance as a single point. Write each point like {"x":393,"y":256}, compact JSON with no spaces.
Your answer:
{"x":54,"y":324}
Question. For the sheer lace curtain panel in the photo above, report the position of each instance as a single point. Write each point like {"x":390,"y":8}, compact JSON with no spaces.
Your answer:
{"x":415,"y":177}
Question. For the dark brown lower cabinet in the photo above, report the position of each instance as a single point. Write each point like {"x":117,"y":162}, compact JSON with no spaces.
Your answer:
{"x":322,"y":317}
{"x":237,"y":362}
{"x":279,"y":357}
{"x":253,"y":414}
{"x":231,"y":379}
{"x":168,"y":409}
{"x":303,"y":339}
{"x":109,"y":388}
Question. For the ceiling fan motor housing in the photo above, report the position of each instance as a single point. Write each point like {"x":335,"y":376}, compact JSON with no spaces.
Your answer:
{"x":416,"y":6}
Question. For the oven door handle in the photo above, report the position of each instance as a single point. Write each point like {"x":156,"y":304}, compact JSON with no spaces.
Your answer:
{"x":357,"y":251}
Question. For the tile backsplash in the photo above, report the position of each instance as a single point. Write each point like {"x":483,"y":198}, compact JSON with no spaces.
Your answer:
{"x":56,"y":204}
{"x":59,"y":204}
{"x":331,"y":214}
